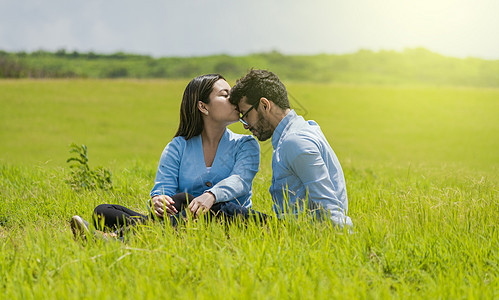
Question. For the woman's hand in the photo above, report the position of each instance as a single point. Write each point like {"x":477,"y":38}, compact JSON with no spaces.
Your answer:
{"x":162,"y":204}
{"x":202,"y":203}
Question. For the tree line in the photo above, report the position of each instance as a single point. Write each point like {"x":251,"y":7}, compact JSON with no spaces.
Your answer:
{"x":411,"y":66}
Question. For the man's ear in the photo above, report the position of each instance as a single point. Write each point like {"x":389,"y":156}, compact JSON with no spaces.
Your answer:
{"x":265,"y":103}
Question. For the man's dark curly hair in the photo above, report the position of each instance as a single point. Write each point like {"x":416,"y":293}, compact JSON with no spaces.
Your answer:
{"x":257,"y":84}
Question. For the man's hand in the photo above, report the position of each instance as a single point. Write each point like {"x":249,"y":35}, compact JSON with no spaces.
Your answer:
{"x":202,"y":203}
{"x":162,"y":204}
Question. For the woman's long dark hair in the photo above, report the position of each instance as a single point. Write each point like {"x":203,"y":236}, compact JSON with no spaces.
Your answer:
{"x":199,"y":89}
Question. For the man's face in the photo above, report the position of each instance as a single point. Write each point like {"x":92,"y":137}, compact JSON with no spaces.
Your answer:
{"x":257,"y":123}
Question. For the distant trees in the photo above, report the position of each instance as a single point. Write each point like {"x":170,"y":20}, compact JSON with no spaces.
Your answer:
{"x":411,"y":66}
{"x":115,"y":72}
{"x":10,"y":67}
{"x":228,"y":66}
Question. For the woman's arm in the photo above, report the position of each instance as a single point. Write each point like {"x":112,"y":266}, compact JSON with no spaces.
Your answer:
{"x":166,"y":182}
{"x":239,"y":182}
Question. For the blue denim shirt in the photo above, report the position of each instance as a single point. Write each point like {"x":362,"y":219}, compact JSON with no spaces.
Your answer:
{"x":182,"y":168}
{"x":306,"y":171}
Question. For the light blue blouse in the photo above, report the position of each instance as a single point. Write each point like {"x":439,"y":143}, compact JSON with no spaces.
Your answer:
{"x":182,"y":168}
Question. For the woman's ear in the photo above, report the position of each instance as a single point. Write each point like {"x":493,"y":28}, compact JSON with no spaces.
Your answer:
{"x":202,"y":108}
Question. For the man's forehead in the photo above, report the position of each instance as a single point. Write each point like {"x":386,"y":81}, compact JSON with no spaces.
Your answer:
{"x":243,"y":102}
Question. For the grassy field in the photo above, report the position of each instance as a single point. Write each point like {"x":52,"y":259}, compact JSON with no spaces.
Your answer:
{"x":421,"y":167}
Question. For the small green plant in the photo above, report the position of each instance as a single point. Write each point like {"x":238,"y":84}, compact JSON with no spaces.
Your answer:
{"x":82,"y":177}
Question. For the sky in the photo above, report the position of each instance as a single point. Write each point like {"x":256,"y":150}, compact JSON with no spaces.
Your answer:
{"x":459,"y":28}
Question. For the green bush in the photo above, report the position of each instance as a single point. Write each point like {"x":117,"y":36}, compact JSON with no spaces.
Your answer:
{"x":82,"y":177}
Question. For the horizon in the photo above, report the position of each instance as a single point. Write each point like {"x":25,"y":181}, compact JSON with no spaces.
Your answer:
{"x":69,"y":51}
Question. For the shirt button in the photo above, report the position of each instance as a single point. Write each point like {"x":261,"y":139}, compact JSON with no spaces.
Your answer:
{"x":208,"y":184}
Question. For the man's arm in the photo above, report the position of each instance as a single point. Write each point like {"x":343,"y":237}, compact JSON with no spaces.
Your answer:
{"x":305,"y":160}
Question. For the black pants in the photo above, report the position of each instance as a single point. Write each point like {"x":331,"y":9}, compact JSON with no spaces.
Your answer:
{"x":116,"y":217}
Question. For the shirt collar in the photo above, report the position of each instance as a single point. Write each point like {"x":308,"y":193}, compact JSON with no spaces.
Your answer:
{"x":279,"y":130}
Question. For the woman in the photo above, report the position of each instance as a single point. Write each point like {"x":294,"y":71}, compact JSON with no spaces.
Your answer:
{"x":206,"y":165}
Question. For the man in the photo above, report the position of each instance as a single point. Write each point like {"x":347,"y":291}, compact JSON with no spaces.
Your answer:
{"x":305,"y":170}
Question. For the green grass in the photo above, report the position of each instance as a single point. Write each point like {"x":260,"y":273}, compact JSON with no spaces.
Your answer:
{"x":420,"y":163}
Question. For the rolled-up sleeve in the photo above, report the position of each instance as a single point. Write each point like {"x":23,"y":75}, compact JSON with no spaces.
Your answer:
{"x":247,"y":162}
{"x":166,"y":182}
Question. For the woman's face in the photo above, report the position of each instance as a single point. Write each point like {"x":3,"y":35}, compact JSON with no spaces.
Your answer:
{"x":219,"y":108}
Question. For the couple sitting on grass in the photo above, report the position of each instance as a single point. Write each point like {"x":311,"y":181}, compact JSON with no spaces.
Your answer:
{"x":208,"y":169}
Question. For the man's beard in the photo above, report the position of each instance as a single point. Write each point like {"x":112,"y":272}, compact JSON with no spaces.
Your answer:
{"x":263,"y":131}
